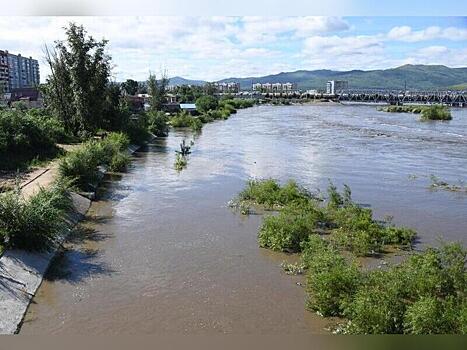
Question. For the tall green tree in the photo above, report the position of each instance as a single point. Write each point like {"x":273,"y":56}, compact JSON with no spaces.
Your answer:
{"x":130,"y":86}
{"x":76,"y":87}
{"x":157,"y":90}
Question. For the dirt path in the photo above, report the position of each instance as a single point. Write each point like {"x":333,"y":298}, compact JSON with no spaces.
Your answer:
{"x":32,"y":181}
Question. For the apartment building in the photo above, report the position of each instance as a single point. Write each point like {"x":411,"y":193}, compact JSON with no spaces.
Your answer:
{"x":4,"y":72}
{"x":334,"y":87}
{"x":274,"y":87}
{"x":227,"y":87}
{"x":18,"y":71}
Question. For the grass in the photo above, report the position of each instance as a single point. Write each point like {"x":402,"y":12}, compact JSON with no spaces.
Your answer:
{"x":34,"y":224}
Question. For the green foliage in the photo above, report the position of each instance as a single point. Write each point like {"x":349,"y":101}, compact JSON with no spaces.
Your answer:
{"x":270,"y":194}
{"x":331,"y":280}
{"x":378,"y":306}
{"x":157,"y":91}
{"x":351,"y":227}
{"x":157,"y":123}
{"x":293,"y":225}
{"x":137,"y":129}
{"x":436,"y":112}
{"x":430,"y":315}
{"x":433,"y":112}
{"x":35,"y":223}
{"x":81,"y":165}
{"x":206,"y":103}
{"x":180,"y":162}
{"x":76,"y":88}
{"x":130,"y":86}
{"x":184,"y":120}
{"x":425,"y":294}
{"x":355,"y":229}
{"x":24,"y":137}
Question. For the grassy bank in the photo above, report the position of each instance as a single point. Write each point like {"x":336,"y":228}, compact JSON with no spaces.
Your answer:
{"x":34,"y":223}
{"x":433,"y":112}
{"x":425,"y":294}
{"x":81,"y":166}
{"x":28,"y":136}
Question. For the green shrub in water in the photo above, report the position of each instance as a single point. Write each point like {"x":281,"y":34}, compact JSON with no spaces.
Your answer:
{"x":180,"y":162}
{"x":270,"y":194}
{"x":331,"y":281}
{"x":436,"y":112}
{"x":287,"y":231}
{"x":424,"y":295}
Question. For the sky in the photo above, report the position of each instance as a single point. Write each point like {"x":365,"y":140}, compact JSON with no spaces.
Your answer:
{"x":217,"y":47}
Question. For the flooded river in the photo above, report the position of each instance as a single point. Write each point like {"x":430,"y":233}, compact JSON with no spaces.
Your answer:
{"x":161,"y":252}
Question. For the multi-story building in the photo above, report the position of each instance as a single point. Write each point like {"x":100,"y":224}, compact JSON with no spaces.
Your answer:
{"x":334,"y":87}
{"x":23,"y":72}
{"x":227,"y":87}
{"x":4,"y":72}
{"x":274,"y":87}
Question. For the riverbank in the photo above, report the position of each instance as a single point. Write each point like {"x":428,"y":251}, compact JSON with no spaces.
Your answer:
{"x":22,"y":272}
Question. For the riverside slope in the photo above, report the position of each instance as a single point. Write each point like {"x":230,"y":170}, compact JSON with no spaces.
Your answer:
{"x":22,"y":272}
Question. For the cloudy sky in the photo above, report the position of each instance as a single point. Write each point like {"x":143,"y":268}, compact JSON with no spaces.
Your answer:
{"x":212,"y":48}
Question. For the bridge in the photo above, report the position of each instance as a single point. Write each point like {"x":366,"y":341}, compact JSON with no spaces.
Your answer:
{"x":449,"y":98}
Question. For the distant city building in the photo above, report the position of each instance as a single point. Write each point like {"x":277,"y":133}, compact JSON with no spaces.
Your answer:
{"x":4,"y":72}
{"x":17,"y":72}
{"x":274,"y":87}
{"x":334,"y":87}
{"x":227,"y":87}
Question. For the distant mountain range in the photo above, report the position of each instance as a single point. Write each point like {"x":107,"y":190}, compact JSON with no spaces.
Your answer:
{"x":423,"y":77}
{"x":183,"y":81}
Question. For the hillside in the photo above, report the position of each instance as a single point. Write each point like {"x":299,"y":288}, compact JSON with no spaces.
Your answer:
{"x":183,"y":81}
{"x":423,"y":77}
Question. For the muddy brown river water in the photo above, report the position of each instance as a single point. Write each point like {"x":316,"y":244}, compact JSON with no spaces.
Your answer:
{"x":161,"y":252}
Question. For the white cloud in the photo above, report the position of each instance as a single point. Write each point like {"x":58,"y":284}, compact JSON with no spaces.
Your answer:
{"x":215,"y":47}
{"x":332,"y":46}
{"x":405,"y":33}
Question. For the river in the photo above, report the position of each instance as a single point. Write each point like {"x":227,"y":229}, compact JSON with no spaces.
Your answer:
{"x":161,"y":252}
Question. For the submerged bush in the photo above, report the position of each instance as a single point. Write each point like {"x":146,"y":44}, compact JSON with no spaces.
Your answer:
{"x":180,"y":162}
{"x":331,"y":281}
{"x":351,"y":227}
{"x":287,"y":231}
{"x":271,"y":194}
{"x":436,"y":112}
{"x":424,"y":295}
{"x":33,"y":224}
{"x":433,"y":112}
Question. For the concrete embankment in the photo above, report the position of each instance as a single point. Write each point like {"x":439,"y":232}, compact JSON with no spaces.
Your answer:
{"x":22,"y":272}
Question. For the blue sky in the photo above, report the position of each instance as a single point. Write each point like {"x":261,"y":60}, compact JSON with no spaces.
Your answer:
{"x":217,"y":47}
